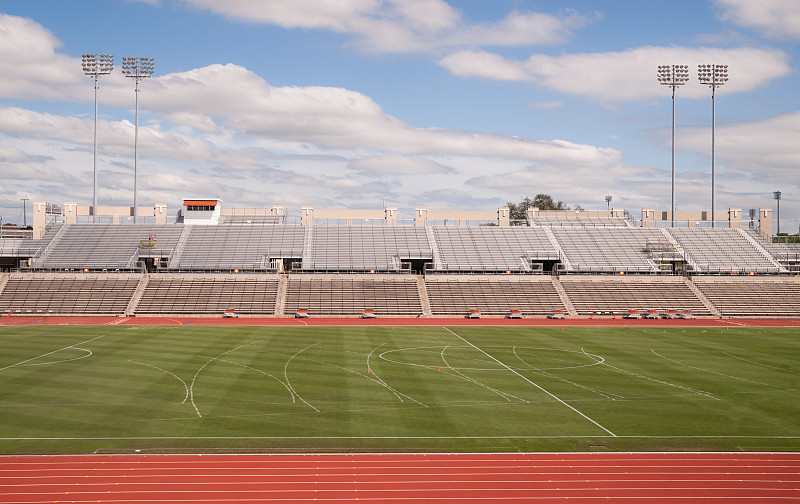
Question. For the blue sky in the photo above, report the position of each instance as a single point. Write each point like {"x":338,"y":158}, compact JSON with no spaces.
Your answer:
{"x":361,"y":103}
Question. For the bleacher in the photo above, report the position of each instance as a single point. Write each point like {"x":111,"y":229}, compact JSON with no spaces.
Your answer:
{"x":105,"y":246}
{"x":491,"y":248}
{"x":365,"y":248}
{"x":492,"y":295}
{"x":238,"y":246}
{"x":204,"y":294}
{"x":352,"y":294}
{"x":567,"y":220}
{"x":610,"y":294}
{"x":752,"y":296}
{"x":608,"y":250}
{"x":68,"y":294}
{"x":723,"y":250}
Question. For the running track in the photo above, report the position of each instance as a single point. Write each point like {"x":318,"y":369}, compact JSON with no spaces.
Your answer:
{"x":392,"y":478}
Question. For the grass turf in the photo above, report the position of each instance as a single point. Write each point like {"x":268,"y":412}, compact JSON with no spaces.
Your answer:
{"x":206,"y":389}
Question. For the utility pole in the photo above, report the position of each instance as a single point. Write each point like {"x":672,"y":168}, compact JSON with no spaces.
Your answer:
{"x":24,"y":211}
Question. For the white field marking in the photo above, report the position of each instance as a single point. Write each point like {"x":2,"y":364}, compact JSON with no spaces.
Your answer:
{"x":721,"y":374}
{"x":429,"y":349}
{"x":662,"y":382}
{"x":194,"y":378}
{"x":378,"y":378}
{"x":89,"y":354}
{"x":264,"y":373}
{"x":760,"y":364}
{"x":532,"y":383}
{"x":118,"y":321}
{"x":168,"y":372}
{"x":49,"y":353}
{"x":564,"y":380}
{"x":461,"y":375}
{"x":289,"y":383}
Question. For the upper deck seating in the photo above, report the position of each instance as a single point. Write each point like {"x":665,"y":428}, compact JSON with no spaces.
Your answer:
{"x":238,"y":246}
{"x":608,"y":249}
{"x":722,"y":250}
{"x":491,"y":248}
{"x":365,"y":248}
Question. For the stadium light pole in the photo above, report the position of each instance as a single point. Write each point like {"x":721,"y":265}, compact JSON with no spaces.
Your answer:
{"x":608,"y":203}
{"x":713,"y":76}
{"x":95,"y":66}
{"x":777,"y":195}
{"x":673,"y":76}
{"x":136,"y":68}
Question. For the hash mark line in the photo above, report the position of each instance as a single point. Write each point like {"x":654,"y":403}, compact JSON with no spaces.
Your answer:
{"x":531,"y":382}
{"x":194,"y":378}
{"x":50,"y":353}
{"x":168,"y":372}
{"x":286,"y":375}
{"x":720,"y":374}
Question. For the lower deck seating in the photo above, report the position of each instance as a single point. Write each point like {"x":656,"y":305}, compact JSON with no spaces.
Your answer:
{"x":593,"y":294}
{"x":209,"y":294}
{"x":752,"y":296}
{"x":492,"y":295}
{"x":352,"y":294}
{"x":61,"y":293}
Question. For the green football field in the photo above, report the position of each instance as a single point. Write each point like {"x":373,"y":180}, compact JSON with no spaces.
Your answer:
{"x":114,"y":389}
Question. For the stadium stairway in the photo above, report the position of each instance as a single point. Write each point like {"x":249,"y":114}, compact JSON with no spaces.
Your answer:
{"x":702,"y":297}
{"x":423,"y":297}
{"x":564,"y":297}
{"x":4,"y":280}
{"x":137,"y":295}
{"x":280,"y":297}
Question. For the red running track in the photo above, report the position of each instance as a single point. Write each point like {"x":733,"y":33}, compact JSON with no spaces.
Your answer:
{"x":393,"y":478}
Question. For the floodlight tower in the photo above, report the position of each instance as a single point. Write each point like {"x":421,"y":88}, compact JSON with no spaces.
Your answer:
{"x":673,"y":76}
{"x":608,"y":203}
{"x":713,"y":76}
{"x":95,"y":66}
{"x":777,"y":195}
{"x":136,"y":68}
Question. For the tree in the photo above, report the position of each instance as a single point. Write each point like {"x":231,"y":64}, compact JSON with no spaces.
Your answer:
{"x":540,"y":201}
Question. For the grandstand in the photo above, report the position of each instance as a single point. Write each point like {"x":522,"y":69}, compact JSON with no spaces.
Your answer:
{"x":260,"y":263}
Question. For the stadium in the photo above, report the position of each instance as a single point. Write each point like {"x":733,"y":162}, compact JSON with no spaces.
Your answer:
{"x":381,"y":358}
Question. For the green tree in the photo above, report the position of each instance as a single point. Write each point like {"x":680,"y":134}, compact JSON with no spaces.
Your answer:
{"x":519,"y":210}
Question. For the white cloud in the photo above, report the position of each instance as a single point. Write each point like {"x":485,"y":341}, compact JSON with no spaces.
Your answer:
{"x":622,"y":76}
{"x":402,"y":25}
{"x":778,"y":19}
{"x":397,"y":165}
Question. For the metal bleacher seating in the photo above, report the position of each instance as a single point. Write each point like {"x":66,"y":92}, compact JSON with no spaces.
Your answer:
{"x":105,"y":246}
{"x":365,"y":248}
{"x":606,"y":294}
{"x":608,"y":249}
{"x":752,"y":296}
{"x":492,"y":294}
{"x":58,"y":293}
{"x":350,"y":294}
{"x":209,"y":294}
{"x":238,"y":246}
{"x":582,"y":222}
{"x":723,"y":250}
{"x":491,"y":248}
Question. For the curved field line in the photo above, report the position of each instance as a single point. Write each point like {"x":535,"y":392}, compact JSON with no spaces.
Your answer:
{"x":760,"y":364}
{"x":662,"y":382}
{"x":564,"y":380}
{"x":60,"y":361}
{"x":194,"y":378}
{"x":264,"y":373}
{"x":719,"y":374}
{"x":289,"y":383}
{"x":377,"y":378}
{"x":461,"y":375}
{"x":49,"y":353}
{"x":169,"y":373}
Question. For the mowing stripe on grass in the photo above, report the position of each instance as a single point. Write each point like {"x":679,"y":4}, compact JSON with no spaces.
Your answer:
{"x":529,"y":381}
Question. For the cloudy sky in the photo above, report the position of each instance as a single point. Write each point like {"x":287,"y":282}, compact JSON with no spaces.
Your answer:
{"x":459,"y":104}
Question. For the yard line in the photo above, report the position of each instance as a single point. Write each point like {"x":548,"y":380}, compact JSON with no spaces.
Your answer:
{"x":50,"y":353}
{"x":529,"y":381}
